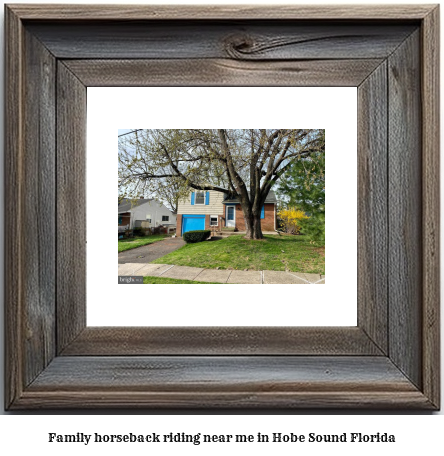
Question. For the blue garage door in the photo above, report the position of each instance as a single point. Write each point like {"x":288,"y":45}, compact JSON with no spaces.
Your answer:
{"x":192,"y":222}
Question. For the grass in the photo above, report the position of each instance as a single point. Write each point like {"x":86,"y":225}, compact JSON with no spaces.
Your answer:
{"x":152,"y":280}
{"x":276,"y":253}
{"x":132,"y":243}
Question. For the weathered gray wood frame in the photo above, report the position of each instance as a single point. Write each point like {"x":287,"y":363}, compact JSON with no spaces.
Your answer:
{"x":390,"y":360}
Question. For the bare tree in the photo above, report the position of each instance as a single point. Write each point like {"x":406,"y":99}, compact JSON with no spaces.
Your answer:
{"x":243,"y":164}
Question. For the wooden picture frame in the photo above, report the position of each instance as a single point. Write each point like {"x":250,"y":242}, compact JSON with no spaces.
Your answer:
{"x":390,"y":360}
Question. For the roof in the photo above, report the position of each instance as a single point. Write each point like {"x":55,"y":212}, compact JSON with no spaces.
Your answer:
{"x":127,"y":204}
{"x":271,"y":198}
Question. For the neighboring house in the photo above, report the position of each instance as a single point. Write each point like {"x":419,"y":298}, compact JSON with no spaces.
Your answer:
{"x":133,"y":212}
{"x":203,"y":210}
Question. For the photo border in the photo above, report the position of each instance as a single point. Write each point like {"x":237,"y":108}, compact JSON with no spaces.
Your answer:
{"x":109,"y":107}
{"x":390,"y":360}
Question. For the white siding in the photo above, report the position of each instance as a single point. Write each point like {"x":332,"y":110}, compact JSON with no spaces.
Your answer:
{"x":214,"y":208}
{"x":156,"y":210}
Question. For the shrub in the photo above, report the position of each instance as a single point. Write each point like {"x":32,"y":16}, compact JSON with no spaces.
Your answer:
{"x":291,"y":220}
{"x":196,"y":236}
{"x":137,"y":231}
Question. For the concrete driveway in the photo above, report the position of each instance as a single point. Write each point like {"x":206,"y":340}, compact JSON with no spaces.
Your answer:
{"x":148,"y":253}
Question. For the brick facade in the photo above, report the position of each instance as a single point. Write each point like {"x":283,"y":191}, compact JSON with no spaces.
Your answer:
{"x":267,"y":223}
{"x":124,"y":220}
{"x":179,"y":225}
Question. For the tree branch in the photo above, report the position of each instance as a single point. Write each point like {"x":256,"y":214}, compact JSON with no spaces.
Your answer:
{"x":230,"y":167}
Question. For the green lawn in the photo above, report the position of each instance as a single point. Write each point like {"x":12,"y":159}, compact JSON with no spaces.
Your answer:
{"x":167,"y":280}
{"x":276,"y":253}
{"x":132,"y":243}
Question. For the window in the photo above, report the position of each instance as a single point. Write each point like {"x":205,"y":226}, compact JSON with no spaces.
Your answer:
{"x":165,"y":218}
{"x":148,"y":218}
{"x":213,"y":220}
{"x":200,"y":198}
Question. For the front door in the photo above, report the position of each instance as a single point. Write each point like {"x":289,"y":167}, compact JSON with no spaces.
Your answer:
{"x":231,"y":216}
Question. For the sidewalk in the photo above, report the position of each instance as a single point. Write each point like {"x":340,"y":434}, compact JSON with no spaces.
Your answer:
{"x":219,"y":275}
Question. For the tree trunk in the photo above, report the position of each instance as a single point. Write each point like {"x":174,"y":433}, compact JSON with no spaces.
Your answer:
{"x":253,"y":226}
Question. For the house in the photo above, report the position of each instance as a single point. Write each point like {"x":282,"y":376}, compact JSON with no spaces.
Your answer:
{"x":133,"y":212}
{"x":203,"y":210}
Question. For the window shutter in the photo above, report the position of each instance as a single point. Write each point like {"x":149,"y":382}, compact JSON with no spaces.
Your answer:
{"x":207,"y":198}
{"x":263,"y":212}
{"x":192,"y":198}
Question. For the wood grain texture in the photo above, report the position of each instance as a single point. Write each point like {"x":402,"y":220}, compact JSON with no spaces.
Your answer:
{"x":431,"y":205}
{"x":208,"y":381}
{"x":126,"y":341}
{"x":219,"y":12}
{"x":263,"y":40}
{"x":372,"y":207}
{"x":209,"y":373}
{"x":225,"y":400}
{"x":71,"y":206}
{"x":38,"y":207}
{"x":221,"y":72}
{"x":13,"y":207}
{"x":405,"y":209}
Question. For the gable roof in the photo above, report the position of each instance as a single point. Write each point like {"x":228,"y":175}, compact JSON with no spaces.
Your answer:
{"x":127,"y":204}
{"x":271,"y":198}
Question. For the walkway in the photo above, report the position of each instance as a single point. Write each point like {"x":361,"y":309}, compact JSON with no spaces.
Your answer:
{"x":151,"y":252}
{"x":218,"y":275}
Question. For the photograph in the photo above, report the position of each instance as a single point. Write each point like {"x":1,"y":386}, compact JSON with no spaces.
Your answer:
{"x":221,"y":206}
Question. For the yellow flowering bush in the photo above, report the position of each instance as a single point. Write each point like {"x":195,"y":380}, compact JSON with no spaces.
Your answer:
{"x":290,"y":219}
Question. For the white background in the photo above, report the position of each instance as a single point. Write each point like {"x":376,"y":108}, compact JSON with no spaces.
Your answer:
{"x":332,"y":304}
{"x":417,"y":433}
